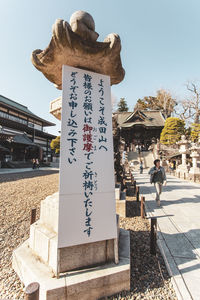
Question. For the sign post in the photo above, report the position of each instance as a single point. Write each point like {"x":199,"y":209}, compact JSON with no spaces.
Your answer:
{"x":86,"y":194}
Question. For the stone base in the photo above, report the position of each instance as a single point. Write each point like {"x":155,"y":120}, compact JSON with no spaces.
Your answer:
{"x":121,"y":208}
{"x":182,"y":172}
{"x":127,"y":209}
{"x":130,"y":191}
{"x":43,"y":242}
{"x":117,"y":191}
{"x":194,"y":177}
{"x":195,"y":171}
{"x":92,"y":283}
{"x":122,"y":195}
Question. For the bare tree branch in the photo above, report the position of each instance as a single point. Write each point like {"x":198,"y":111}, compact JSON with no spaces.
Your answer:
{"x":189,"y":108}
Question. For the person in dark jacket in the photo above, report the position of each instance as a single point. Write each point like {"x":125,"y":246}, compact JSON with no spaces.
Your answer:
{"x":141,"y":167}
{"x":33,"y":163}
{"x":158,"y":177}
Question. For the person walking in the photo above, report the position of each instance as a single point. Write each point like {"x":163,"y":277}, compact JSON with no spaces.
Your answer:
{"x":33,"y":163}
{"x":141,"y":167}
{"x":158,"y":177}
{"x":37,"y":163}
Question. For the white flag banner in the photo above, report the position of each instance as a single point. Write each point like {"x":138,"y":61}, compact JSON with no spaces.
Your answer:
{"x":86,"y":194}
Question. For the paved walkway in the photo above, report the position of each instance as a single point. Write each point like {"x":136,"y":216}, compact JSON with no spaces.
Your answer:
{"x":11,"y":171}
{"x":178,"y":231}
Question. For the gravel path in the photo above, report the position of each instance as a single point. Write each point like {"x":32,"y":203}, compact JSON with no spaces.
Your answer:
{"x":146,"y":280}
{"x":19,"y":193}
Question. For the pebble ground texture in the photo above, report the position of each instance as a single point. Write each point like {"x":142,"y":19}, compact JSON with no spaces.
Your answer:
{"x":19,"y":193}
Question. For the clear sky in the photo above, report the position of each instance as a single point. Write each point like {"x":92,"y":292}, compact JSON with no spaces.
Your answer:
{"x":160,"y":46}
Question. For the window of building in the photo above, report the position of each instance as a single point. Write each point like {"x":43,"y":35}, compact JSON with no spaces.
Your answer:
{"x":13,"y":118}
{"x":35,"y":126}
{"x":13,"y":113}
{"x":22,"y":117}
{"x":3,"y":109}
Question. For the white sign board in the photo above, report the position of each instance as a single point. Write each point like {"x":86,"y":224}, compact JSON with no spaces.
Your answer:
{"x":87,"y":195}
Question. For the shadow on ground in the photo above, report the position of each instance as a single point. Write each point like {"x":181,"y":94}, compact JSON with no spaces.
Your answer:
{"x":152,"y":205}
{"x":23,"y":175}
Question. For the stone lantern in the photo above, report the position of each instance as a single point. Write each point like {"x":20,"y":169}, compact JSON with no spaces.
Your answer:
{"x":195,"y":155}
{"x":183,"y":150}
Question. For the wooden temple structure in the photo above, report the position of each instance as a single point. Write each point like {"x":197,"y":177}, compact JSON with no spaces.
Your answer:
{"x":141,"y":127}
{"x":22,"y":133}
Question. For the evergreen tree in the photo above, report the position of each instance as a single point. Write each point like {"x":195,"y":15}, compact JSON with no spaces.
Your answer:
{"x":172,"y":131}
{"x":55,"y":144}
{"x":122,"y":105}
{"x":195,"y":132}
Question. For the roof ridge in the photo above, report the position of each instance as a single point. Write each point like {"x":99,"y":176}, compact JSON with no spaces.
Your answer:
{"x":24,"y":109}
{"x":150,"y":109}
{"x":13,"y":101}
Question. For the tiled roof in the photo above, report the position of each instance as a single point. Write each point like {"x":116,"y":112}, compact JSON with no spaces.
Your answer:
{"x":23,"y":139}
{"x":23,"y":109}
{"x":151,"y":118}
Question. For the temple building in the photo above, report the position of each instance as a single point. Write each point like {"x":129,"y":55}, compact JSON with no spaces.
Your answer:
{"x":22,"y":134}
{"x":140,"y":127}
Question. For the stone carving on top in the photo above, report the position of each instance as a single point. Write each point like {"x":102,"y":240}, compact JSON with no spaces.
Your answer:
{"x":183,"y":140}
{"x":183,"y":144}
{"x":76,"y":45}
{"x":195,"y":149}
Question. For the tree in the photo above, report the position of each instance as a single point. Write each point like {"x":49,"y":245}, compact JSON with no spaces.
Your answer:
{"x":117,"y":154}
{"x":189,"y":109}
{"x":55,"y":144}
{"x":162,"y":101}
{"x":195,"y":132}
{"x":192,"y":87}
{"x":194,"y":103}
{"x":122,"y":105}
{"x":172,"y":131}
{"x":184,"y":111}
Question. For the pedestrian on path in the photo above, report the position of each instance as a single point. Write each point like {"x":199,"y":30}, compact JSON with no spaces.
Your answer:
{"x":158,"y":177}
{"x":141,"y":167}
{"x":37,"y":164}
{"x":33,"y":163}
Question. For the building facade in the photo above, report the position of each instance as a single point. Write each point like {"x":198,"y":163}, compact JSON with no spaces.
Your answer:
{"x":22,"y":133}
{"x":140,"y":127}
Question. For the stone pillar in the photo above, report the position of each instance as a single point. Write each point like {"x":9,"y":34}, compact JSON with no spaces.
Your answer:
{"x":184,"y":150}
{"x":184,"y":159}
{"x":195,"y":155}
{"x":194,"y":161}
